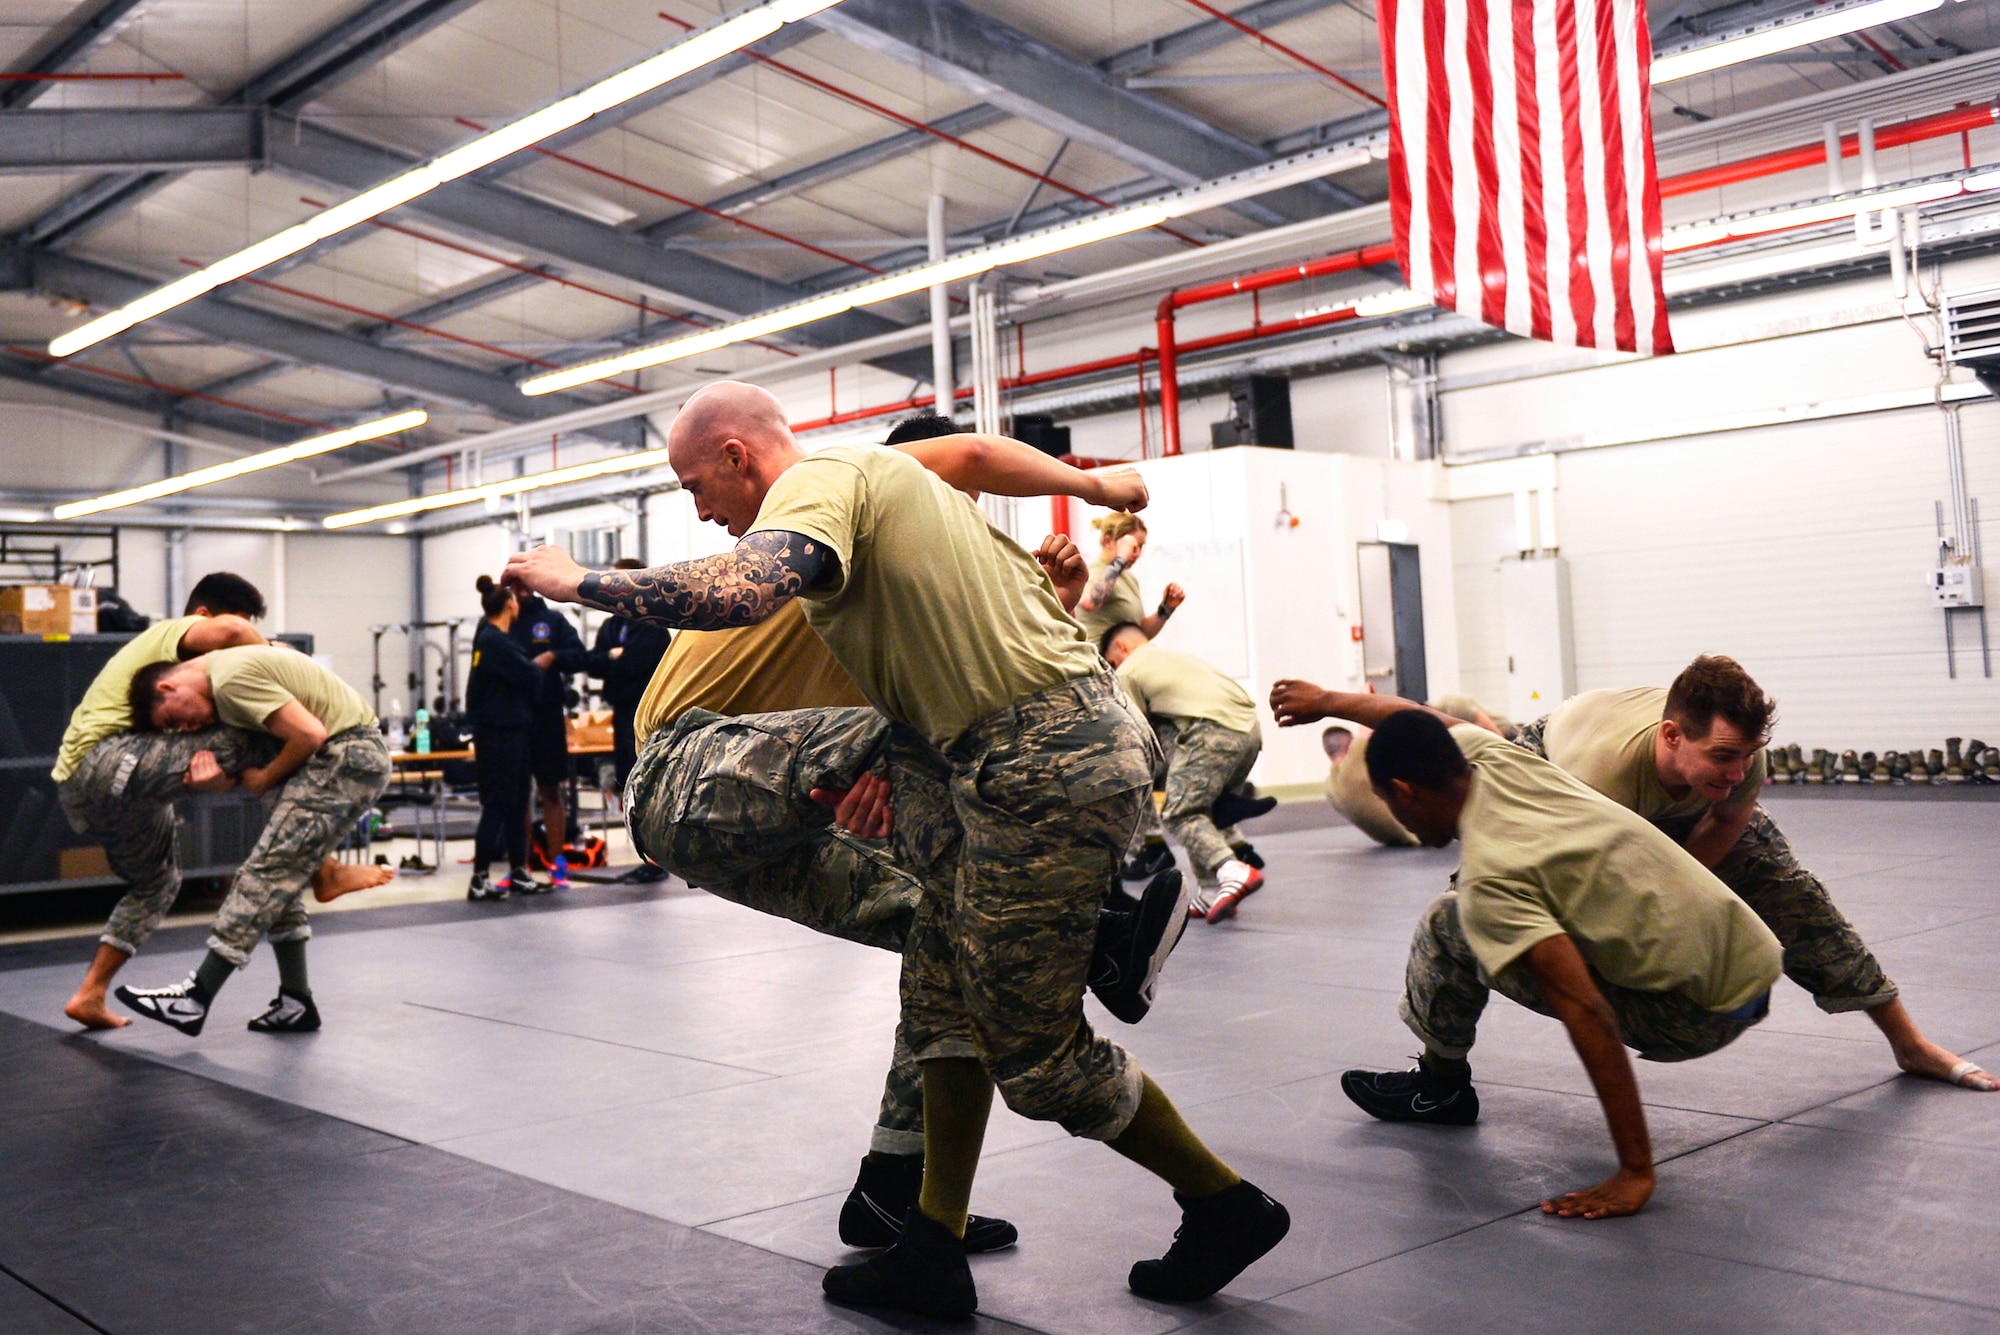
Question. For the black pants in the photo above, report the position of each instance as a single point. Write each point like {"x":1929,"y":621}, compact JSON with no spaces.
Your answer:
{"x":624,"y":742}
{"x":500,"y":755}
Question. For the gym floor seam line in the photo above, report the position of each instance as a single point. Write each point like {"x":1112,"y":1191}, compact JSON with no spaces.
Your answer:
{"x":50,"y":1298}
{"x":592,"y":1038}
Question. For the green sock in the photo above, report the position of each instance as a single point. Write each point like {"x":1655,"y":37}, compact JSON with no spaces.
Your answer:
{"x":958,"y":1095}
{"x":210,"y":975}
{"x":1160,"y":1142}
{"x":291,"y":967}
{"x":1447,"y":1068}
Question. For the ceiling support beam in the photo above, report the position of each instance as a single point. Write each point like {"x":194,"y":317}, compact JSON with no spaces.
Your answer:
{"x":1208,"y":35}
{"x":1006,"y":67}
{"x":129,"y":139}
{"x":249,"y":327}
{"x":70,"y":47}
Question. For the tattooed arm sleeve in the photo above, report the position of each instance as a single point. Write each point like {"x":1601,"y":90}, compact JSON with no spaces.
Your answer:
{"x":740,"y":587}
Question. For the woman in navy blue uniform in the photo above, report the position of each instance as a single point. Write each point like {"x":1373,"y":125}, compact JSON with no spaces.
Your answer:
{"x":500,"y":695}
{"x":551,"y":642}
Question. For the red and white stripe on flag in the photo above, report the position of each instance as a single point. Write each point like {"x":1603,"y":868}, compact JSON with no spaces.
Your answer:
{"x":1521,"y":176}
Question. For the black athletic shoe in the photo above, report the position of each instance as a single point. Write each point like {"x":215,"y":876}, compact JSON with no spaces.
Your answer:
{"x":175,"y":1004}
{"x":1150,"y":862}
{"x":644,"y":874}
{"x":484,"y":888}
{"x":1247,"y":855}
{"x":884,"y":1193}
{"x":924,"y":1272}
{"x":289,"y":1013}
{"x":1219,"y":1237}
{"x":1234,"y":808}
{"x":521,"y":883}
{"x":1133,"y":942}
{"x":1412,"y":1096}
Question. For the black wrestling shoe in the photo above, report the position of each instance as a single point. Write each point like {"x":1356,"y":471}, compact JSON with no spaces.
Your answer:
{"x":924,"y":1272}
{"x":289,"y":1013}
{"x":1219,"y":1237}
{"x":884,"y":1194}
{"x":1150,"y":862}
{"x":484,"y":888}
{"x":1233,"y":808}
{"x":1247,"y":855}
{"x":644,"y":874}
{"x":521,"y":883}
{"x":175,"y":1004}
{"x":1412,"y":1096}
{"x":1134,"y":938}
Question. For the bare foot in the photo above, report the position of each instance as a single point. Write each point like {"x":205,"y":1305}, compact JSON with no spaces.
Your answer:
{"x":334,"y":879}
{"x":1932,"y":1062}
{"x":87,"y":1008}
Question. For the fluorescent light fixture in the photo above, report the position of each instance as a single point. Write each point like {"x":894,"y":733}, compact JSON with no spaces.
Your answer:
{"x":700,"y":48}
{"x":249,"y":463}
{"x":1391,"y":302}
{"x":1816,"y":25}
{"x":1824,"y":211}
{"x":1034,"y":245}
{"x":554,"y":477}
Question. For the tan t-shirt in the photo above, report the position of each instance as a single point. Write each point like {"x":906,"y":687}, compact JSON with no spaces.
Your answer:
{"x":938,"y":617}
{"x":104,"y":711}
{"x":255,"y":681}
{"x":1123,"y":603}
{"x":776,"y":664}
{"x":1166,"y":684}
{"x":1606,"y":738}
{"x":1348,"y":789}
{"x":1543,"y":855}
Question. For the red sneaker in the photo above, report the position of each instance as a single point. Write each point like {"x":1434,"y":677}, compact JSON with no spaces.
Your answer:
{"x":1234,"y":893}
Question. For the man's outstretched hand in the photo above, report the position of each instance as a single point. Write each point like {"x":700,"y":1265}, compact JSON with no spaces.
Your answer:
{"x":1065,"y":567}
{"x":863,"y":810}
{"x":548,"y":571}
{"x":1297,"y":702}
{"x":1624,"y":1192}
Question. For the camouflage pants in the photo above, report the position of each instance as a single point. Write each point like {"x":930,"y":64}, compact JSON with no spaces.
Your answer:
{"x":317,"y":808}
{"x":726,"y":805}
{"x":1209,"y":760}
{"x":1823,"y":953}
{"x":1445,"y":990}
{"x":123,"y":794}
{"x":1047,"y":793}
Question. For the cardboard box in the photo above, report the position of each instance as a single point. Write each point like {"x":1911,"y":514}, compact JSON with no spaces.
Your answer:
{"x":82,"y":864}
{"x":83,"y":611}
{"x":34,"y":609}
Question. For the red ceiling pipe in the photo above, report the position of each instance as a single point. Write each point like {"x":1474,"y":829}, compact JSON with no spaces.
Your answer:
{"x":1170,"y":349}
{"x":1959,"y":120}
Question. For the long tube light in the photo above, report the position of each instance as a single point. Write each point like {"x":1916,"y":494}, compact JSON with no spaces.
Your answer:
{"x":513,"y":486}
{"x":1909,"y":195}
{"x":700,"y":48}
{"x":1785,"y":36}
{"x":249,"y":463}
{"x":1034,"y":245}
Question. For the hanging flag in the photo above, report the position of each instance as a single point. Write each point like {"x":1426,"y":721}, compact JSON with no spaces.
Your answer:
{"x":1521,"y":177}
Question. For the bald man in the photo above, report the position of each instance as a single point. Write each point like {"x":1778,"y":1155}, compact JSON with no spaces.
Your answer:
{"x":951,"y":629}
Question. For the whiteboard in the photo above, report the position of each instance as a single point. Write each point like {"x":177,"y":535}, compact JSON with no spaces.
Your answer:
{"x":1213,"y":623}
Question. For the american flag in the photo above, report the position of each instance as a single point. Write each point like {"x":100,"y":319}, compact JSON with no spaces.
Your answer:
{"x":1521,"y":175}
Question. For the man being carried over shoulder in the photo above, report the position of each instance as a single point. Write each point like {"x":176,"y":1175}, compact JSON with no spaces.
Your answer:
{"x":1212,"y":726}
{"x":331,"y":767}
{"x":953,"y":630}
{"x":1566,"y":903}
{"x":1690,"y":759}
{"x":118,"y":786}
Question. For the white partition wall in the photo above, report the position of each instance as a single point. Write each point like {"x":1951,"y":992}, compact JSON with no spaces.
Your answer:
{"x":1264,"y":541}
